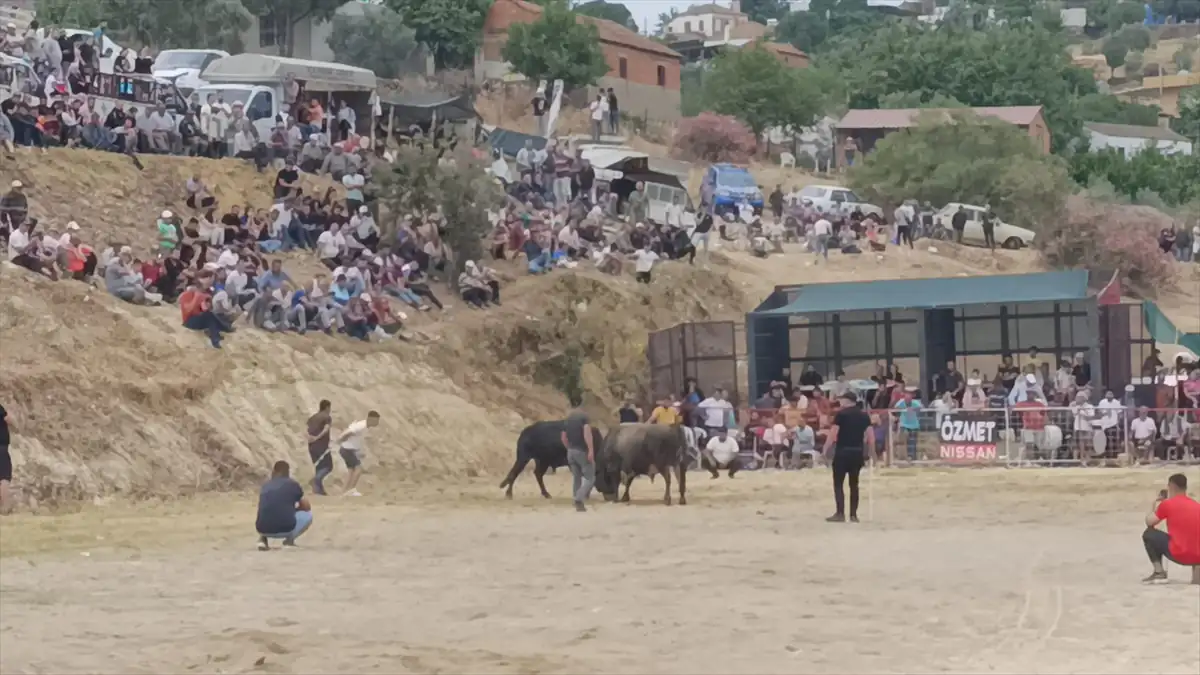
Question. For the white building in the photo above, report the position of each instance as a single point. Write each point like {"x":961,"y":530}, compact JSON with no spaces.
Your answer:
{"x":710,"y":20}
{"x":268,"y":36}
{"x":1130,"y":139}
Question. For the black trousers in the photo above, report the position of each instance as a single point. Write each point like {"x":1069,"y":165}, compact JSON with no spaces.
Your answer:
{"x":905,"y":233}
{"x":1158,"y":545}
{"x":847,"y":463}
{"x":989,"y":237}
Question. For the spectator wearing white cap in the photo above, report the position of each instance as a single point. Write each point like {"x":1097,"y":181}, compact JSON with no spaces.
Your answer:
{"x":168,"y":233}
{"x":364,"y":229}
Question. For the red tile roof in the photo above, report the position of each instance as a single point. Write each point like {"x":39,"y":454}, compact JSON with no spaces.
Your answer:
{"x":901,"y":118}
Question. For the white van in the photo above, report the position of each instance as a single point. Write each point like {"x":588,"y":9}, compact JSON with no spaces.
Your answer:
{"x":257,"y":80}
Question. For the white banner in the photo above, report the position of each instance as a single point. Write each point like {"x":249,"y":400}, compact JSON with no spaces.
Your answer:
{"x":555,"y":107}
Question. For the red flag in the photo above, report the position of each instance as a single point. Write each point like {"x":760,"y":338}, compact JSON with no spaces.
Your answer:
{"x":1111,"y":293}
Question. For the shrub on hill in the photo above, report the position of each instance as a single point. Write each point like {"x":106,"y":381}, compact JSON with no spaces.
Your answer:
{"x":1104,"y":236}
{"x":713,"y":138}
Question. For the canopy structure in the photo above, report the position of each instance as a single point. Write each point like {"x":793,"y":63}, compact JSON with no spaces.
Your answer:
{"x":420,"y":107}
{"x":264,"y":68}
{"x":932,"y":293}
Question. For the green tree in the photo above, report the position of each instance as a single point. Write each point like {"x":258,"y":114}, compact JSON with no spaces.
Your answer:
{"x":665,"y":18}
{"x":378,"y":41}
{"x":1134,"y":62}
{"x":916,"y":99}
{"x":288,"y":13}
{"x":753,"y":86}
{"x":1175,"y":179}
{"x":1108,"y":108}
{"x":613,"y":11}
{"x":166,"y":24}
{"x":556,"y":47}
{"x":449,"y":28}
{"x":1182,"y":59}
{"x":1188,"y":122}
{"x":1114,"y":53}
{"x":845,"y":20}
{"x":1110,"y":16}
{"x":967,"y":159}
{"x":764,"y":10}
{"x":1005,"y":65}
{"x":419,"y":183}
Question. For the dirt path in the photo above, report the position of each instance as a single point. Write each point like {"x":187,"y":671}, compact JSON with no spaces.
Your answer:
{"x":970,"y":571}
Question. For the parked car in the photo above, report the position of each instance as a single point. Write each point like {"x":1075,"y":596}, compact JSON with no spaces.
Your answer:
{"x":725,"y":186}
{"x":1007,"y":236}
{"x":831,"y":198}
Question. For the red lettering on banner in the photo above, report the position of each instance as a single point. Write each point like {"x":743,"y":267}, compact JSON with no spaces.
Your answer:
{"x":967,"y":452}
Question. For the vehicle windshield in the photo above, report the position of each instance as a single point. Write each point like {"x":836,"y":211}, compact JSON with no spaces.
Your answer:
{"x":229,"y":96}
{"x":851,"y":197}
{"x":736,"y":179}
{"x":172,"y":60}
{"x":812,"y":191}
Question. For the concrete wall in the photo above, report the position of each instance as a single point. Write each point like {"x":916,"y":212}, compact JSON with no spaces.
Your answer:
{"x":311,"y":40}
{"x":654,"y":102}
{"x":1131,"y":146}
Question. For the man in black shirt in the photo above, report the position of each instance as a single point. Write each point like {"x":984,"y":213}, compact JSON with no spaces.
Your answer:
{"x":287,"y":181}
{"x":5,"y":461}
{"x":1006,"y":373}
{"x":318,"y":445}
{"x":852,"y":441}
{"x":283,"y":512}
{"x":959,"y":222}
{"x":952,"y":381}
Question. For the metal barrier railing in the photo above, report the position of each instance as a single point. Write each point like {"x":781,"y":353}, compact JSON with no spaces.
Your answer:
{"x":1027,"y":434}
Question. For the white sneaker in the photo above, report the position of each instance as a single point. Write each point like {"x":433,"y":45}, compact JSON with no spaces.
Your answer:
{"x":353,"y":493}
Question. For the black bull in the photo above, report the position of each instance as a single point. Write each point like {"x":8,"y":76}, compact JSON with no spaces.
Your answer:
{"x":542,"y":443}
{"x":633,"y":450}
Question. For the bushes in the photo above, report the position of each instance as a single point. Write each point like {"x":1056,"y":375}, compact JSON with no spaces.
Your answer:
{"x":1106,"y":237}
{"x":713,"y":138}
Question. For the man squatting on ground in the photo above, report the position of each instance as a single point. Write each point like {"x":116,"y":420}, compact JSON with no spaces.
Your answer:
{"x":283,"y":512}
{"x":581,"y":456}
{"x":852,"y":442}
{"x":721,"y":452}
{"x":1181,"y":542}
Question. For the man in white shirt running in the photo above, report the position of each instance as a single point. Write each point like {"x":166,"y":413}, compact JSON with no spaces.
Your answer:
{"x":352,"y":446}
{"x":721,"y":452}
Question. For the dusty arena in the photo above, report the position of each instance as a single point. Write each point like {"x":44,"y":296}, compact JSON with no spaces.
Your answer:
{"x":1030,"y":571}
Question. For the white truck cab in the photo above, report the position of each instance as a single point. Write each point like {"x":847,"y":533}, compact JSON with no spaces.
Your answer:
{"x":257,"y":82}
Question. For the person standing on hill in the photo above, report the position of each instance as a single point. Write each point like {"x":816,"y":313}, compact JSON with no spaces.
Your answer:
{"x":318,"y":445}
{"x":1181,"y":542}
{"x":352,"y":446}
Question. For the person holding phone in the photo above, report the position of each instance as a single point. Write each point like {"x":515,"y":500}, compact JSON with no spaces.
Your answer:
{"x":1180,"y":543}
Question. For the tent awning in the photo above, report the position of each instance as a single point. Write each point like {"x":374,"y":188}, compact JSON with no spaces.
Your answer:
{"x":932,"y":293}
{"x":316,"y":75}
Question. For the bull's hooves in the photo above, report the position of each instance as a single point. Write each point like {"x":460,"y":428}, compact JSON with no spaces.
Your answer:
{"x":508,"y":495}
{"x":546,"y":495}
{"x":683,"y":502}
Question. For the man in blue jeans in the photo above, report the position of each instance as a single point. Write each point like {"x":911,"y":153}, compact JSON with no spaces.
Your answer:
{"x":283,"y":512}
{"x":910,"y":420}
{"x":581,"y":456}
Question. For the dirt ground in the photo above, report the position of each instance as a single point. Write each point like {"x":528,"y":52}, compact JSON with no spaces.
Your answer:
{"x":963,"y":571}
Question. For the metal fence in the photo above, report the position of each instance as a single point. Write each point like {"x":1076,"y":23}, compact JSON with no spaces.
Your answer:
{"x":1025,"y":435}
{"x":704,"y":350}
{"x":1037,"y":435}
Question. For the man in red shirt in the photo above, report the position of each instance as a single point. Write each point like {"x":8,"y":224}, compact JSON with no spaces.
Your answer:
{"x":1181,"y":542}
{"x":195,"y":306}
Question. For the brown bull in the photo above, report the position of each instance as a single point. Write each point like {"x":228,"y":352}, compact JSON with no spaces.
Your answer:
{"x":633,"y":450}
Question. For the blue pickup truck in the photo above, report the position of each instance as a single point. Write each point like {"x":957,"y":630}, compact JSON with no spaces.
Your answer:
{"x":725,"y":186}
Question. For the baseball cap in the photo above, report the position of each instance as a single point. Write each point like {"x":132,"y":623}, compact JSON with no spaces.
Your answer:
{"x":364,"y":209}
{"x":16,"y":184}
{"x":166,"y":214}
{"x":72,"y":225}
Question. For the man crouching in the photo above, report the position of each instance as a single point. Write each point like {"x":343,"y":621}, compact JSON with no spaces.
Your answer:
{"x":1181,"y":542}
{"x":721,"y":452}
{"x":283,"y":512}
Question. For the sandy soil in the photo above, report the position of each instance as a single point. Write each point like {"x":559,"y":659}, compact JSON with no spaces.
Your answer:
{"x":968,"y":571}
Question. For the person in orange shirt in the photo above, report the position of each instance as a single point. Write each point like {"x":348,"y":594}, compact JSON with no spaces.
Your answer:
{"x":195,"y":304}
{"x":81,"y":260}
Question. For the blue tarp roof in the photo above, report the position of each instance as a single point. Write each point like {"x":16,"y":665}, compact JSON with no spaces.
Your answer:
{"x":930,"y":293}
